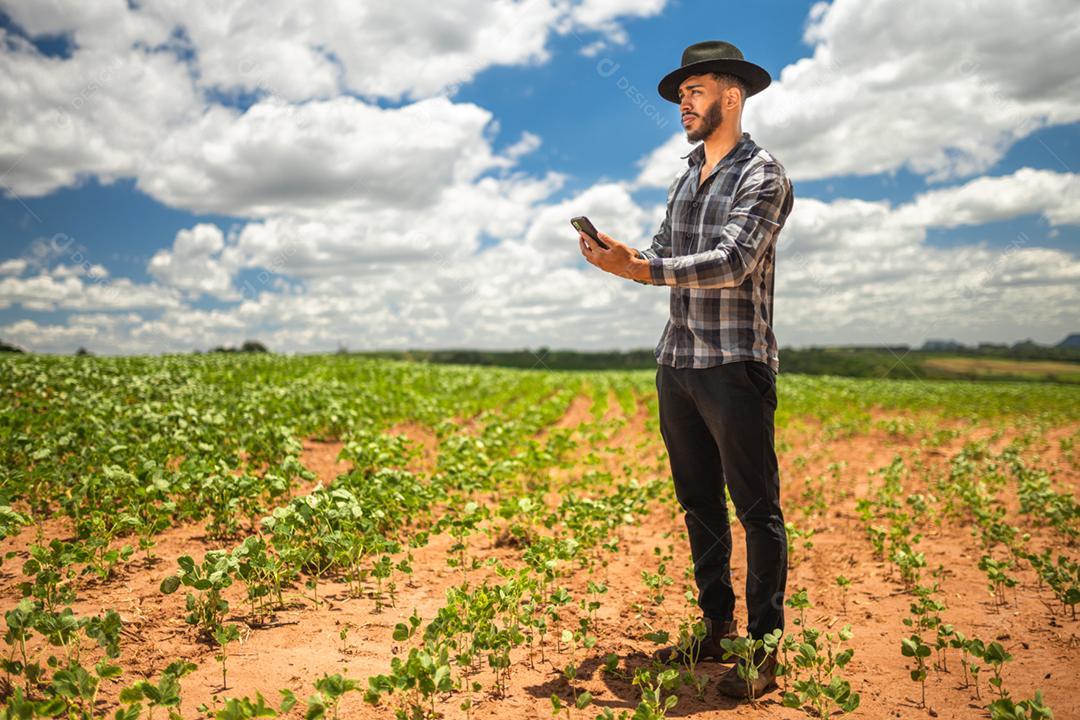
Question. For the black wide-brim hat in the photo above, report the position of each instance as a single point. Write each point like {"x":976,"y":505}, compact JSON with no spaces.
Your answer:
{"x":714,"y":56}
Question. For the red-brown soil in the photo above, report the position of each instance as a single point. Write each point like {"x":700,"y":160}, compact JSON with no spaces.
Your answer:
{"x":304,"y":642}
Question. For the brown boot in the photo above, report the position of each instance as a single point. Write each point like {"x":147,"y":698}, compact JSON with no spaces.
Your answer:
{"x":732,"y":685}
{"x":708,"y":648}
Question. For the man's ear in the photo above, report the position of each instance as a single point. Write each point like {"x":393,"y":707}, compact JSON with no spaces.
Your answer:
{"x":732,"y":97}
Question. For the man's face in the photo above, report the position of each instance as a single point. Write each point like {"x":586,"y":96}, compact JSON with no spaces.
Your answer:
{"x":699,"y":105}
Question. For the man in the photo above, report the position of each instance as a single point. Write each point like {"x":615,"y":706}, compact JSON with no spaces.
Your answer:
{"x":717,"y":358}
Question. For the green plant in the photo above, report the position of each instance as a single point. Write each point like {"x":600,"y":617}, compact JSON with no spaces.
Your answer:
{"x":343,"y":635}
{"x":150,"y":504}
{"x":996,"y":656}
{"x":329,"y":691}
{"x":654,"y":704}
{"x":817,"y":661}
{"x":21,"y":621}
{"x":799,"y":600}
{"x":751,"y":654}
{"x":843,"y":583}
{"x":1034,"y":709}
{"x":656,"y":582}
{"x":73,"y":690}
{"x":224,"y":635}
{"x":945,"y":634}
{"x":609,"y":714}
{"x":569,"y":672}
{"x":460,"y":525}
{"x":691,"y":633}
{"x":590,"y":606}
{"x":417,"y":678}
{"x":246,"y":709}
{"x":103,"y":528}
{"x":923,"y":612}
{"x":908,"y":561}
{"x":264,"y":574}
{"x":165,"y":693}
{"x":798,"y":539}
{"x":53,"y":571}
{"x":959,"y":641}
{"x":1062,"y":575}
{"x":10,"y":522}
{"x":913,"y":647}
{"x":206,"y":607}
{"x":975,"y":648}
{"x":998,"y":578}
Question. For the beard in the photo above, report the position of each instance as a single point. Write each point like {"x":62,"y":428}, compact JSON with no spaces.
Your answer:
{"x":709,"y":121}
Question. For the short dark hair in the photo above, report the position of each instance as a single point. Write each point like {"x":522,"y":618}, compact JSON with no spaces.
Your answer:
{"x":727,"y":81}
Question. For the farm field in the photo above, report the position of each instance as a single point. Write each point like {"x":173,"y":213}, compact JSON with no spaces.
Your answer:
{"x":325,"y":536}
{"x":978,"y":368}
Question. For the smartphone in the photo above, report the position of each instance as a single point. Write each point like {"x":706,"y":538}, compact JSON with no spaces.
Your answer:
{"x":582,"y":224}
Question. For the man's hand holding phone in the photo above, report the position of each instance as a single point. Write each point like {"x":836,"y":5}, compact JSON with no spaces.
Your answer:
{"x":608,"y":254}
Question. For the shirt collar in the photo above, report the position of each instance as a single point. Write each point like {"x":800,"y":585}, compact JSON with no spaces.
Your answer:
{"x":740,"y":151}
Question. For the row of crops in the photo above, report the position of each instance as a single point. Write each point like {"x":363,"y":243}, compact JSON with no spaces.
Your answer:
{"x":973,"y":494}
{"x":102,"y":456}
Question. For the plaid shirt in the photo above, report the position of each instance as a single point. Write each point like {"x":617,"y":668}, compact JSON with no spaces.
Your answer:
{"x":716,"y":249}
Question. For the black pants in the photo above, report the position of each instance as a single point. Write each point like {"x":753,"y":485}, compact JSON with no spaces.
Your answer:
{"x":717,"y":424}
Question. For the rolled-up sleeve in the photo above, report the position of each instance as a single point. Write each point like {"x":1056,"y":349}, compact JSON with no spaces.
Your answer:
{"x":758,"y":208}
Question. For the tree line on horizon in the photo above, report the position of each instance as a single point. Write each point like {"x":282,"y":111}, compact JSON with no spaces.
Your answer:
{"x":879,"y":361}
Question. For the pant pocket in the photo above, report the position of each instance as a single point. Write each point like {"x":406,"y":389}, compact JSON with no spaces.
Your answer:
{"x":761,"y":377}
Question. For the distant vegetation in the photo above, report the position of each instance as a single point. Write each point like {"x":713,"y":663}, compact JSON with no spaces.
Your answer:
{"x":905,"y":363}
{"x":249,"y":346}
{"x":936,"y":359}
{"x":1025,"y":361}
{"x":541,"y":358}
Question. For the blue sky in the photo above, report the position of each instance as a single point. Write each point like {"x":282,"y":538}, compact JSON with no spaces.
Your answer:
{"x":202,"y":193}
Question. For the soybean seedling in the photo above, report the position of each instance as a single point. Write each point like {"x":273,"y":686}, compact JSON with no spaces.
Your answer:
{"x":843,"y":583}
{"x":224,"y":635}
{"x":820,"y":660}
{"x":746,"y":651}
{"x":976,"y":648}
{"x":654,"y":705}
{"x":329,"y":691}
{"x":996,"y":655}
{"x":915,"y":648}
{"x":581,"y":700}
{"x":343,"y":634}
{"x":691,"y":634}
{"x":800,"y":601}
